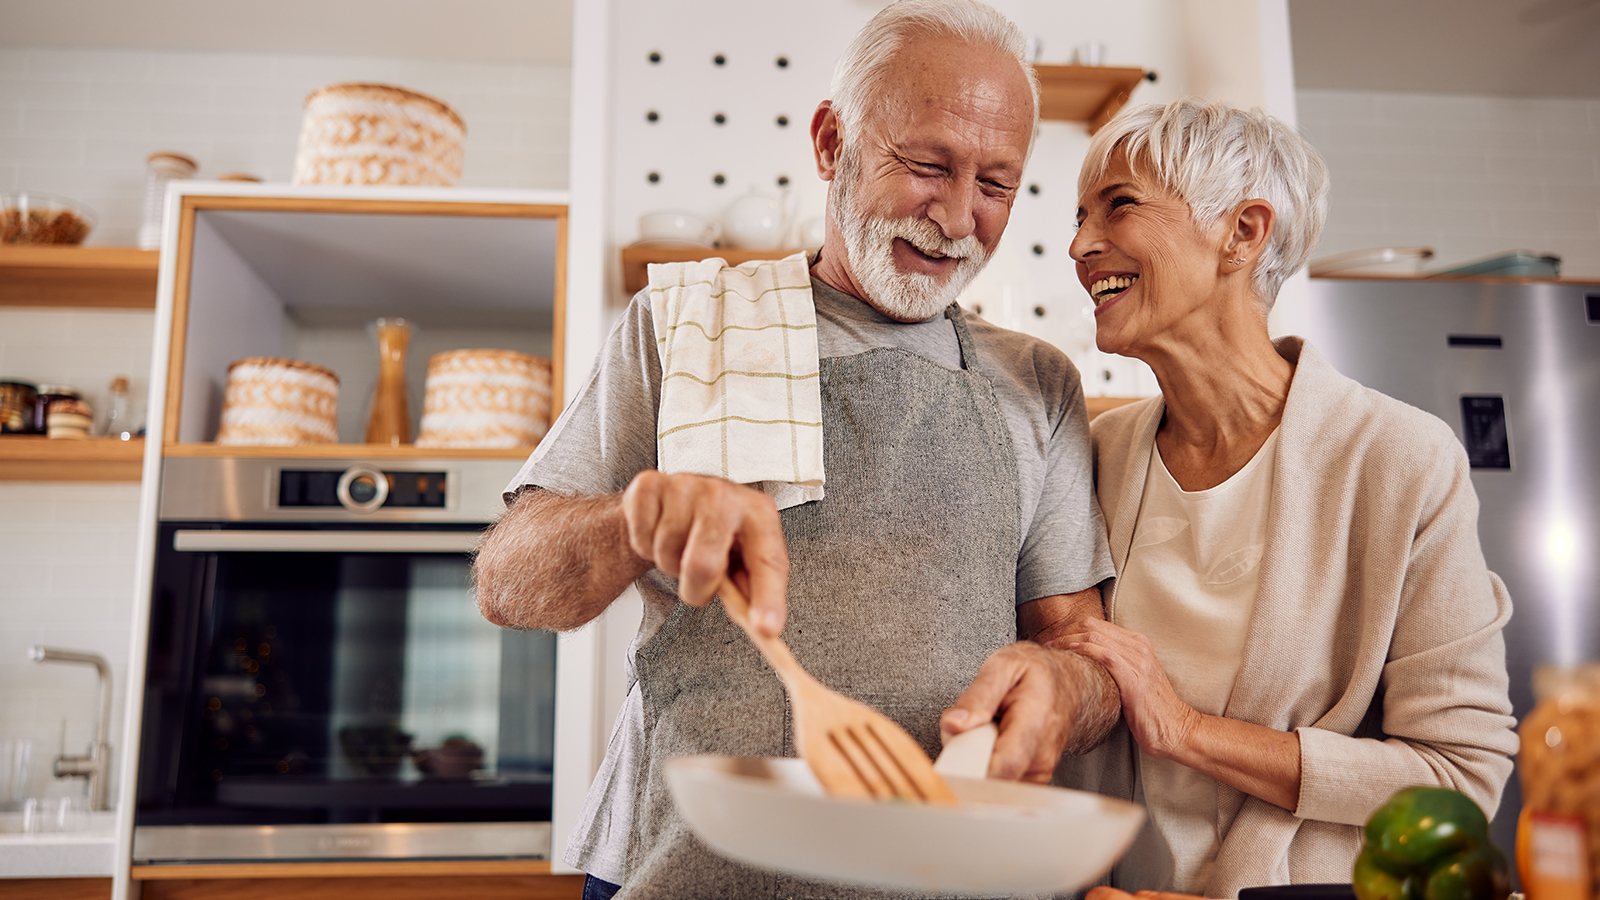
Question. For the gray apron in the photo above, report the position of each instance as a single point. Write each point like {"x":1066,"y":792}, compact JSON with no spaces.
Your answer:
{"x":903,"y":582}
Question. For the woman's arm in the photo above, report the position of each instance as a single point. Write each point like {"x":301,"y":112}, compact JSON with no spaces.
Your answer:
{"x":1260,"y":761}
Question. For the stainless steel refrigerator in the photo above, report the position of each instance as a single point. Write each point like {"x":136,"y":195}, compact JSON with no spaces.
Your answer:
{"x":1515,"y":370}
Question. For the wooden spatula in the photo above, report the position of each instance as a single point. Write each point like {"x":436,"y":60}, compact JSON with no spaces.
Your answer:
{"x":854,"y":750}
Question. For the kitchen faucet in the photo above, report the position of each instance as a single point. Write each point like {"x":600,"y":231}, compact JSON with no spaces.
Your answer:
{"x":96,"y":766}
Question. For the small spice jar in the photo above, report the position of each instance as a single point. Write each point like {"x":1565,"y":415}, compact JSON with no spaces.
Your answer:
{"x":69,"y":419}
{"x":48,"y":394}
{"x":17,"y":402}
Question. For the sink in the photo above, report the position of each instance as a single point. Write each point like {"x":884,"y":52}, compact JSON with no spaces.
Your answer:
{"x":87,"y":853}
{"x":95,"y":825}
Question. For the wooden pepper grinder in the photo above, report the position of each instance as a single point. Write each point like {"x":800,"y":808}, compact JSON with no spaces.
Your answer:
{"x":390,"y":422}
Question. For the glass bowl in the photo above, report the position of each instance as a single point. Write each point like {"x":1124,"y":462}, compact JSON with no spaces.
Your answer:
{"x":30,"y":217}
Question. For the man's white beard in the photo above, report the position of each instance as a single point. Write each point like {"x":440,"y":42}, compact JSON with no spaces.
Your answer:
{"x":869,"y":245}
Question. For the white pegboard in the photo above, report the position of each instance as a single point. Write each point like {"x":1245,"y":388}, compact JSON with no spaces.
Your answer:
{"x":1028,"y":289}
{"x":665,"y":63}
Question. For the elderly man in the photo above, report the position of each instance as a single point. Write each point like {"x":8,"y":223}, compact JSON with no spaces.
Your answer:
{"x":939,"y":504}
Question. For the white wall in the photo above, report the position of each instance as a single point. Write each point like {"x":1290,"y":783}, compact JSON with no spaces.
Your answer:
{"x":1469,"y":176}
{"x":68,"y":548}
{"x":80,"y":123}
{"x":68,"y":551}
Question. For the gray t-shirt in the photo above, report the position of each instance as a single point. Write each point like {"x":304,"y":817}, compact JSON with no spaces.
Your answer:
{"x":607,"y":435}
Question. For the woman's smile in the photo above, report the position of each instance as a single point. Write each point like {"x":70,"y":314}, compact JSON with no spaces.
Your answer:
{"x":1106,"y":287}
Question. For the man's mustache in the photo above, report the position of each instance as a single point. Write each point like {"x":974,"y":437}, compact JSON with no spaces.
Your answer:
{"x":925,"y":235}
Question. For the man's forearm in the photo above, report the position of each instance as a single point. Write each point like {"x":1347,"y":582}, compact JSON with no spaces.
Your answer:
{"x":1099,"y":704}
{"x":554,"y":562}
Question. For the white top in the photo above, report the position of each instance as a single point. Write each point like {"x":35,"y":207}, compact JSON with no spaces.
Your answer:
{"x":1190,"y":586}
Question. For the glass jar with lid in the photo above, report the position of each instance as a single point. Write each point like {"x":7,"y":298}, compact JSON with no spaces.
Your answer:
{"x":18,"y":400}
{"x":160,"y":168}
{"x":49,"y":393}
{"x":1558,"y":832}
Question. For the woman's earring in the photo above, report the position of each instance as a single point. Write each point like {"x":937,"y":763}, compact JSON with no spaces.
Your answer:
{"x":1239,"y":261}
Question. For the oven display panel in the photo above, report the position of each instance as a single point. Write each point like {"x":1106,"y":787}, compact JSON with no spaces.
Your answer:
{"x":302,"y":488}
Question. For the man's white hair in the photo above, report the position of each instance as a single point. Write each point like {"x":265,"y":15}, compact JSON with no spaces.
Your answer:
{"x":1214,"y":157}
{"x":857,"y":76}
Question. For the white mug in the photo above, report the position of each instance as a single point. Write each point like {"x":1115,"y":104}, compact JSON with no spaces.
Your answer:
{"x":677,"y":225}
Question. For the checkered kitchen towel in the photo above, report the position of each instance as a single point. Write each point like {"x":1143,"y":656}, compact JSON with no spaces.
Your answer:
{"x":739,"y":389}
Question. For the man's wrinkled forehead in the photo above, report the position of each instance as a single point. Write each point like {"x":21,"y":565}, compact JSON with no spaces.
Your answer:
{"x":962,"y":85}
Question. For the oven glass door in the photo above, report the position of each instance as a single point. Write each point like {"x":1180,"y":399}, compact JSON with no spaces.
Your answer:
{"x":315,"y":676}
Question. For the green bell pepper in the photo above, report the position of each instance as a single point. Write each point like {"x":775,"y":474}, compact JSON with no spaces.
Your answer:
{"x":1429,"y":843}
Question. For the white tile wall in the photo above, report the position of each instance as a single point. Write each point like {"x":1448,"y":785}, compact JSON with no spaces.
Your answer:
{"x":80,"y":123}
{"x":1469,"y":176}
{"x":68,"y":546}
{"x":68,"y":551}
{"x":81,"y":348}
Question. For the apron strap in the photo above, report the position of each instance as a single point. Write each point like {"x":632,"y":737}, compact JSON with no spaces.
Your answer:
{"x":957,"y":317}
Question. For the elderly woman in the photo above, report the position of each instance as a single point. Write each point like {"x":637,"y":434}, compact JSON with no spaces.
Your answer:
{"x":1302,"y":621}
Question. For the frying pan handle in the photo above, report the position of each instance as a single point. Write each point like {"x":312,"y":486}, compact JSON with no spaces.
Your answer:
{"x":967,"y":754}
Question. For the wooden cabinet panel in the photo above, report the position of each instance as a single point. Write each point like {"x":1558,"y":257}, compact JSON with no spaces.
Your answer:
{"x":58,"y":888}
{"x":412,"y":887}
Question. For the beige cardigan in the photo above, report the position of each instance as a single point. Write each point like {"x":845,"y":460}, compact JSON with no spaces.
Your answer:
{"x":1376,"y":631}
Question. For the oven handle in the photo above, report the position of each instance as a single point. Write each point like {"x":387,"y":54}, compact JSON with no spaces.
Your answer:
{"x":210,"y":541}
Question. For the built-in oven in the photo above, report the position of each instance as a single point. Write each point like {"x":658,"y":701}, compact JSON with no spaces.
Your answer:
{"x":319,"y":681}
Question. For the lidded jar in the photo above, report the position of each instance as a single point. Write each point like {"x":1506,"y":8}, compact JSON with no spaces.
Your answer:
{"x":160,"y":168}
{"x":18,"y":400}
{"x":48,"y":394}
{"x":1558,"y":832}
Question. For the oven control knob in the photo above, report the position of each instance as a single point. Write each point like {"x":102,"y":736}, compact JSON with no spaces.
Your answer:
{"x":361,"y":489}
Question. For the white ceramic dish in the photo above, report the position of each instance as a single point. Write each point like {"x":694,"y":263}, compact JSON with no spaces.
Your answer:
{"x":1004,"y":838}
{"x":677,"y":225}
{"x":1373,"y":261}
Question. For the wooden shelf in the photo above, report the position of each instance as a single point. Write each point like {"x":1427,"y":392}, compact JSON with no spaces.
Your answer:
{"x":341,"y":451}
{"x":375,"y":880}
{"x":25,"y":457}
{"x":1473,"y":279}
{"x":93,"y":277}
{"x":1088,"y":94}
{"x":635,"y":258}
{"x":341,"y":869}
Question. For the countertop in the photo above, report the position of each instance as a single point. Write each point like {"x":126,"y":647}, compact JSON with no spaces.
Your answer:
{"x":76,"y":854}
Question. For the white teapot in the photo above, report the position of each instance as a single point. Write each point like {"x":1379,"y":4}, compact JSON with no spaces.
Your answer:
{"x":757,"y":221}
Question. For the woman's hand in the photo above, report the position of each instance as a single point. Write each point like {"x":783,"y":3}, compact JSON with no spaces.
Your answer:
{"x":1160,"y":722}
{"x":1260,"y":761}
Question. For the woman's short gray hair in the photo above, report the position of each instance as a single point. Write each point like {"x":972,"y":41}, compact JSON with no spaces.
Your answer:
{"x":1214,"y":157}
{"x":857,"y":75}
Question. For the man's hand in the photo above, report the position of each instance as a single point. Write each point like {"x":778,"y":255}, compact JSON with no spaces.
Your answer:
{"x":697,"y":528}
{"x":1048,"y":701}
{"x":1033,"y":692}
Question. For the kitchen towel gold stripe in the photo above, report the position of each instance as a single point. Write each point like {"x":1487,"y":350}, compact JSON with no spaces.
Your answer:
{"x":764,"y":428}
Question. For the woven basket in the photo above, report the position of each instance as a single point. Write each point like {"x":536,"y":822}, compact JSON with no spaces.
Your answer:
{"x":485,"y":398}
{"x":378,"y":134}
{"x":279,"y":403}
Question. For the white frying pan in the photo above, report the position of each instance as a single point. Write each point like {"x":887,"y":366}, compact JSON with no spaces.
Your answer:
{"x":1003,"y":838}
